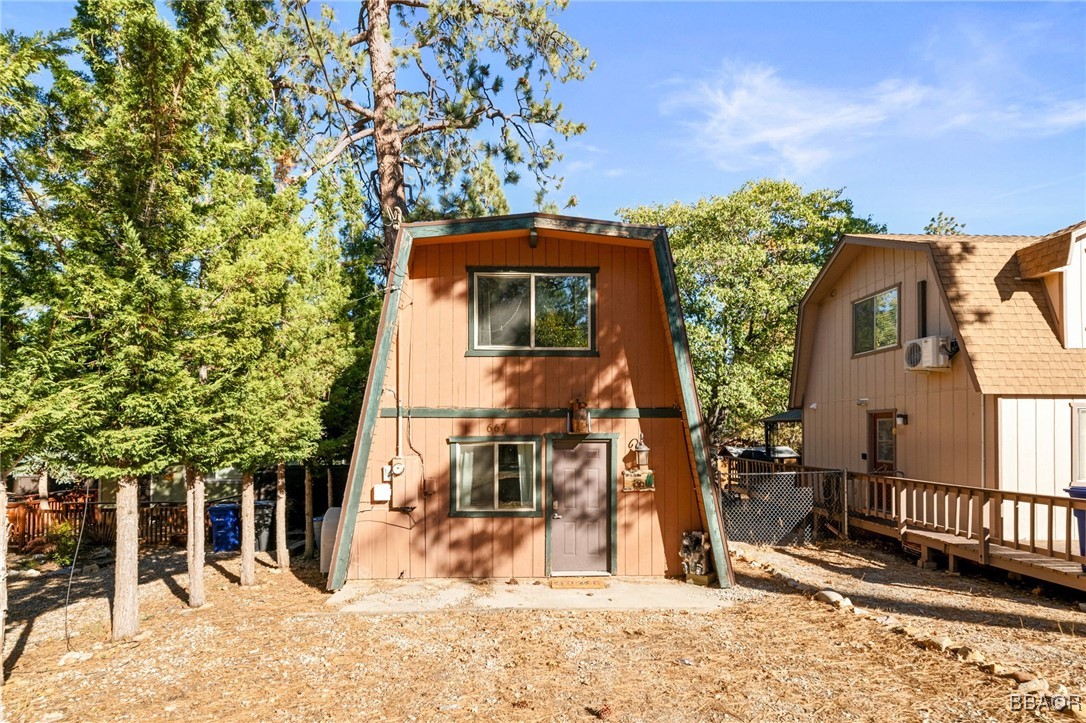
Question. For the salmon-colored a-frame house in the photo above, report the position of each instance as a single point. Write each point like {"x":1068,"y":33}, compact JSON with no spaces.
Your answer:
{"x":499,"y":339}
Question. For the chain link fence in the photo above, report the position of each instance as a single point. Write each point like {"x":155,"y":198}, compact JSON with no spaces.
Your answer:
{"x":773,"y":504}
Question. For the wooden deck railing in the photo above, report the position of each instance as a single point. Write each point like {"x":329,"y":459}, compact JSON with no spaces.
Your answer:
{"x":159,"y":524}
{"x":1035,"y":523}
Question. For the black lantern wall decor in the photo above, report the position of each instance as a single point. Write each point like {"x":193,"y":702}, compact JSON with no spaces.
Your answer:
{"x":642,"y":450}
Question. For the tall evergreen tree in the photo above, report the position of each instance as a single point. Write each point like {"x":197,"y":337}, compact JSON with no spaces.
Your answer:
{"x":38,"y":414}
{"x":105,"y":201}
{"x":279,"y":314}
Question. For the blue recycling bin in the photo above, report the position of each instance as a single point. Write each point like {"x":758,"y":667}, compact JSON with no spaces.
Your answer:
{"x":1079,"y":493}
{"x":225,"y":527}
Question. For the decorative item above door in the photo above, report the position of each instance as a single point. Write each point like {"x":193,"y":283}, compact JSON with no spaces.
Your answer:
{"x":580,"y":419}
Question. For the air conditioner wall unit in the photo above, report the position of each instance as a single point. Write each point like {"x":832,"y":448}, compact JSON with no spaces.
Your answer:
{"x":929,"y":354}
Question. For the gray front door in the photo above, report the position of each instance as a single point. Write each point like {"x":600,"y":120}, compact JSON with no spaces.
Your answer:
{"x":580,"y":518}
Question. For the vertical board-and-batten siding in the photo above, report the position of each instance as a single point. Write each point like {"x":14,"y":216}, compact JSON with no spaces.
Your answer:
{"x":1074,"y":290}
{"x":429,"y":368}
{"x":942,"y":440}
{"x":1035,"y":455}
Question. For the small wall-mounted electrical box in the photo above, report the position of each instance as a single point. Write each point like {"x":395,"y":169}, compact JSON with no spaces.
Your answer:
{"x":382,"y":492}
{"x":638,"y":480}
{"x":397,"y":466}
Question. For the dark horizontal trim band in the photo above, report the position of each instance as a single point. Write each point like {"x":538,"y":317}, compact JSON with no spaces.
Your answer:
{"x":545,"y":270}
{"x":532,"y":352}
{"x":524,"y":413}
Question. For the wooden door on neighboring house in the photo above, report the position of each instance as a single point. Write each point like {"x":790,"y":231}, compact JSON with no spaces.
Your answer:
{"x":580,"y":516}
{"x":882,"y":443}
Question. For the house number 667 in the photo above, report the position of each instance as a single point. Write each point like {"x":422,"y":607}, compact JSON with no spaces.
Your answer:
{"x":495,"y":428}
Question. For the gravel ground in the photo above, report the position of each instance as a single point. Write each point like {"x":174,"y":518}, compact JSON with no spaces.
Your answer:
{"x":1021,"y":628}
{"x":278,"y":652}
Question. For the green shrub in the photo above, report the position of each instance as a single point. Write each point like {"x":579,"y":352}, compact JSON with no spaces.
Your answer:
{"x":62,"y":538}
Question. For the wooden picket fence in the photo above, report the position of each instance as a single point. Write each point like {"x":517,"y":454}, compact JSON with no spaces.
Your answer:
{"x":160,"y":524}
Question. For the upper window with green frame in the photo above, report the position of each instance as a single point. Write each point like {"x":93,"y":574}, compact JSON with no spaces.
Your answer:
{"x":875,"y":322}
{"x":532,"y":311}
{"x":495,"y":477}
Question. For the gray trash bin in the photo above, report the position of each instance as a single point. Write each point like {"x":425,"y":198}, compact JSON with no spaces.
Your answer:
{"x":262,"y":521}
{"x":317,"y":532}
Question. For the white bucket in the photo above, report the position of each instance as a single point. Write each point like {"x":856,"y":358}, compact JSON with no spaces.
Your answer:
{"x":329,"y":527}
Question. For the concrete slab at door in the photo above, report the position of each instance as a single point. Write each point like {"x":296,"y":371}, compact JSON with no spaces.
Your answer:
{"x":580,"y":518}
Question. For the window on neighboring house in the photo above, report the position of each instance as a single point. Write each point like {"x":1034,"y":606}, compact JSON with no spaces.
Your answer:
{"x":875,"y":322}
{"x":533,"y":312}
{"x":1078,"y":445}
{"x":495,"y":477}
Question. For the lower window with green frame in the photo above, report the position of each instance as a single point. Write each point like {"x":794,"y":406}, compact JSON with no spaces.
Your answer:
{"x":495,"y":477}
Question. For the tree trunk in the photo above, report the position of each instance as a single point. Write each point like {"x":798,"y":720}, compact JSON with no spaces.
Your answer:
{"x":309,"y":547}
{"x":386,"y":135}
{"x":43,"y":489}
{"x":126,"y":621}
{"x":194,"y":546}
{"x":331,"y":486}
{"x":248,"y":531}
{"x":4,"y":531}
{"x":282,"y":554}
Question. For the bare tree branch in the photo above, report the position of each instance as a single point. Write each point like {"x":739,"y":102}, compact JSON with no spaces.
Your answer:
{"x":346,"y":103}
{"x":345,"y":142}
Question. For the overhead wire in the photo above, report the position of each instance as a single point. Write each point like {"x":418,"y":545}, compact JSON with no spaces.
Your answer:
{"x":75,"y":558}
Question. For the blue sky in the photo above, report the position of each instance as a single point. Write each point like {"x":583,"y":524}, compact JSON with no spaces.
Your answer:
{"x":974,"y":109}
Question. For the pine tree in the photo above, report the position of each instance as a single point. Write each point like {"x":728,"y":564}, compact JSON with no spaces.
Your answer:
{"x":942,"y":225}
{"x":468,"y":87}
{"x":104,"y":201}
{"x":281,"y":301}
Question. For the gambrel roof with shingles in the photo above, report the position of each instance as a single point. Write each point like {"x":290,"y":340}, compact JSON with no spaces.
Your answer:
{"x":1048,"y":254}
{"x":1000,"y":310}
{"x":1004,"y":320}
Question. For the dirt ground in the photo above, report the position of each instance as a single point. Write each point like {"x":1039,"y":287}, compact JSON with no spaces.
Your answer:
{"x":278,"y":652}
{"x":1031,"y":627}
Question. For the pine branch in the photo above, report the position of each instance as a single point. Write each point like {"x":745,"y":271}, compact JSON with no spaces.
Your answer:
{"x":33,"y":200}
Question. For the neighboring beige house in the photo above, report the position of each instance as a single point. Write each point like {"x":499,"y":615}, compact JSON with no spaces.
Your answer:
{"x":957,"y":359}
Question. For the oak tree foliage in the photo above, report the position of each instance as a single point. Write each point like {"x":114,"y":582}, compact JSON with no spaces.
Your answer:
{"x":743,"y":262}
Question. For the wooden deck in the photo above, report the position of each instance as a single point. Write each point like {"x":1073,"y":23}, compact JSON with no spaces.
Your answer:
{"x":957,"y":547}
{"x":1028,"y":534}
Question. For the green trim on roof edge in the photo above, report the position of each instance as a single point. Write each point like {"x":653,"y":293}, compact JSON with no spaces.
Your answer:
{"x":524,"y":222}
{"x":670,"y":288}
{"x":529,"y":413}
{"x":390,"y":311}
